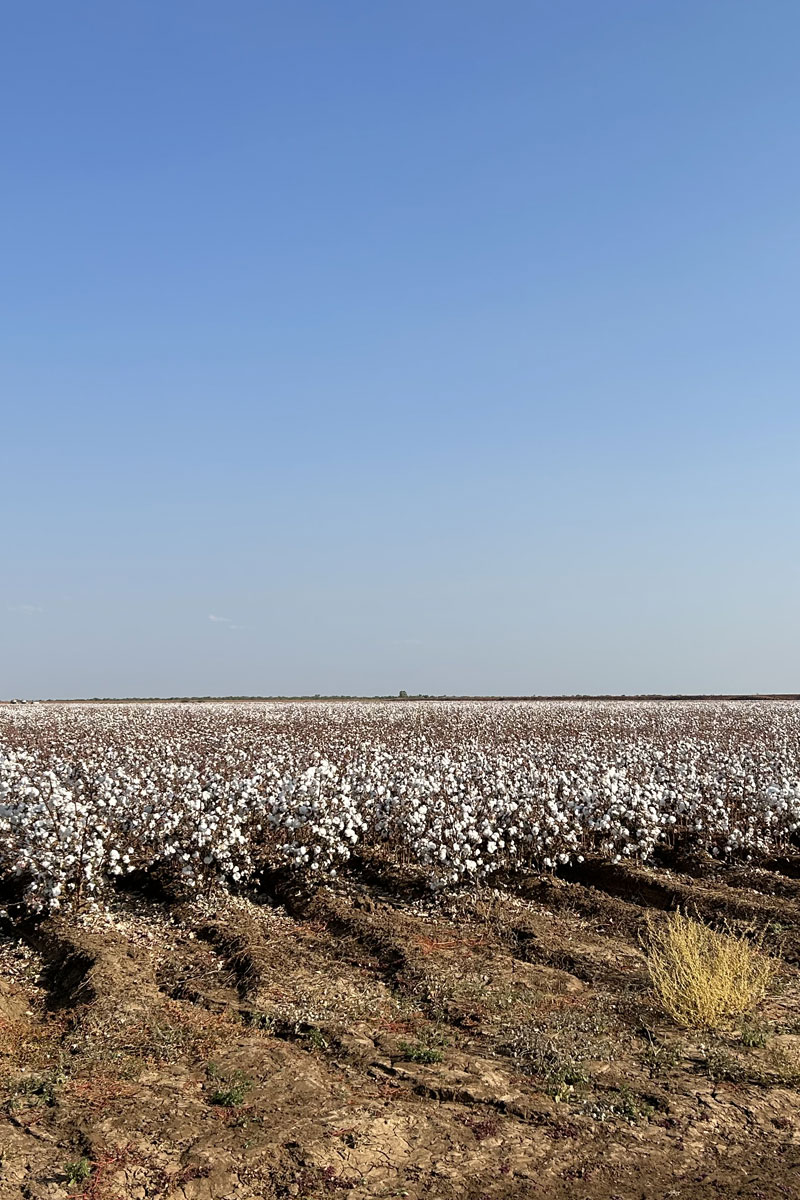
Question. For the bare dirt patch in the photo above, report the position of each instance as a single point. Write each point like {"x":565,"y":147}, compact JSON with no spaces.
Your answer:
{"x":365,"y":1041}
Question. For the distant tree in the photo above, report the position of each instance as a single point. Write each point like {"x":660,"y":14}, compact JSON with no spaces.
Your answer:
{"x":403,"y":695}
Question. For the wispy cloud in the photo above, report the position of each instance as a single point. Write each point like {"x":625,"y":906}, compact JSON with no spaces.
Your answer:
{"x":226,"y":621}
{"x":25,"y":608}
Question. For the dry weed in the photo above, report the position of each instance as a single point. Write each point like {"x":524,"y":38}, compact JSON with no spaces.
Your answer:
{"x":704,"y":977}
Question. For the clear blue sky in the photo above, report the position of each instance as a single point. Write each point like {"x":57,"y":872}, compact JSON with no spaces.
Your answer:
{"x":430,"y":344}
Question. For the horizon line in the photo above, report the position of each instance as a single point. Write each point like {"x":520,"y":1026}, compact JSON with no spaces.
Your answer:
{"x":404,"y":696}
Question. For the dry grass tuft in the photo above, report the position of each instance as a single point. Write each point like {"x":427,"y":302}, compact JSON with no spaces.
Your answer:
{"x":703,"y":977}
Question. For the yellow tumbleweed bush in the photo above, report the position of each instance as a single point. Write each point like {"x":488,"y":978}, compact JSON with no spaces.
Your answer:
{"x":701,"y":976}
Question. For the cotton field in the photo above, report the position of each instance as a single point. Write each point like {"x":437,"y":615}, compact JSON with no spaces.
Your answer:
{"x":212,"y":795}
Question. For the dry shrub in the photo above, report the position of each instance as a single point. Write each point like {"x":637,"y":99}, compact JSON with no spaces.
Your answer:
{"x":704,"y":977}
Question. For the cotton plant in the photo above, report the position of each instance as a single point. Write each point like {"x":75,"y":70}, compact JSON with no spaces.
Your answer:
{"x":211,"y":795}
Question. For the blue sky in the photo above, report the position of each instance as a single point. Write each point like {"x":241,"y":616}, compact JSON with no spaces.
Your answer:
{"x":436,"y":345}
